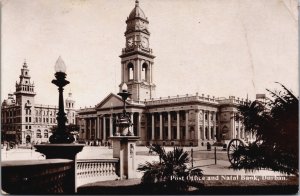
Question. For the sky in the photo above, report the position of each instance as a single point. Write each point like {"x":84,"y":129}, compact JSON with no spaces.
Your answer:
{"x":217,"y":48}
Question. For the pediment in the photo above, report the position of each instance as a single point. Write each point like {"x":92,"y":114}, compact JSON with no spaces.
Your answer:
{"x":111,"y":101}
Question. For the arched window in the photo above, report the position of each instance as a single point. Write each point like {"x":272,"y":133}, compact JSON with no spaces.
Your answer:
{"x":46,"y":133}
{"x":38,"y":134}
{"x":144,"y":72}
{"x":130,"y":71}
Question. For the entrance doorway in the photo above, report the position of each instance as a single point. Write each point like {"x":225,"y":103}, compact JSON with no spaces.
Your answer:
{"x":28,"y":139}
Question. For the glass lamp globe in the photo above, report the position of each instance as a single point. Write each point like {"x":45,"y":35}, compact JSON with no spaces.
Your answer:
{"x":124,"y":87}
{"x":60,"y":65}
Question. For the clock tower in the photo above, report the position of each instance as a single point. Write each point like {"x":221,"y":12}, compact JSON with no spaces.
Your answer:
{"x":137,"y":59}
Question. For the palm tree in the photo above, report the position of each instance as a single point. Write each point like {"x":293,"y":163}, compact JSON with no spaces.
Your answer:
{"x":171,"y":171}
{"x":276,"y":126}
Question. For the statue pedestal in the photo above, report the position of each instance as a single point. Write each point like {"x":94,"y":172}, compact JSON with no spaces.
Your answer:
{"x":62,"y":151}
{"x":124,"y":148}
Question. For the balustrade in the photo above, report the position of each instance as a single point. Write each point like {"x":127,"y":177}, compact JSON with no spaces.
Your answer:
{"x":94,"y":170}
{"x":51,"y":176}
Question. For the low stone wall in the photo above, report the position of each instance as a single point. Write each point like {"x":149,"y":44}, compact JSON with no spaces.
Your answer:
{"x":94,"y":170}
{"x":50,"y":176}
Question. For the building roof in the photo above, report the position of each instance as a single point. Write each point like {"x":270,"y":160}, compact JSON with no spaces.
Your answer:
{"x":137,"y":12}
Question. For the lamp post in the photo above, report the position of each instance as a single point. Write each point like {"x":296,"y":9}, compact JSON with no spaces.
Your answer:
{"x":124,"y":141}
{"x":60,"y":136}
{"x":124,"y":121}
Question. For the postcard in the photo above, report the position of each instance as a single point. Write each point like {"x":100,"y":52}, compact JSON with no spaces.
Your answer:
{"x":152,"y":97}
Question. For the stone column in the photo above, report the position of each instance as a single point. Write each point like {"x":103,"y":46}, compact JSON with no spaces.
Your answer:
{"x":132,"y":121}
{"x":197,"y":129}
{"x":204,"y":128}
{"x":110,"y":126}
{"x":239,"y":130}
{"x":104,"y":128}
{"x":209,"y":125}
{"x":153,"y":126}
{"x":151,"y":72}
{"x":169,"y":125}
{"x":160,"y":126}
{"x":233,"y":126}
{"x":90,"y":129}
{"x":139,"y":125}
{"x":215,"y":126}
{"x":97,"y":126}
{"x":178,"y":125}
{"x":187,"y":125}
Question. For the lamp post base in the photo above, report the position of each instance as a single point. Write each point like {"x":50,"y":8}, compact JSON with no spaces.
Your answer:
{"x":124,"y":148}
{"x":62,"y":151}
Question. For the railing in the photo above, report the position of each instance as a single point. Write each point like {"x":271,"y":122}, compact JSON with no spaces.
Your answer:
{"x":50,"y":176}
{"x":94,"y":170}
{"x":176,"y":99}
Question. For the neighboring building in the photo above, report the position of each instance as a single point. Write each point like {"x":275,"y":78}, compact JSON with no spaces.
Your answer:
{"x":24,"y":121}
{"x":188,"y":120}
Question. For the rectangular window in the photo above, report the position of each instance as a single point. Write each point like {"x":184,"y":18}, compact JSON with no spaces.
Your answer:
{"x":26,"y":127}
{"x":26,"y":119}
{"x":29,"y":119}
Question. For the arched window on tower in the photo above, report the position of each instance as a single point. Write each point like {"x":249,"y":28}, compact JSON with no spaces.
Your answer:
{"x":144,"y":72}
{"x":130,"y":71}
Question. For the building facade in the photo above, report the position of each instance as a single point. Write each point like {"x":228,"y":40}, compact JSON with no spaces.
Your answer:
{"x":188,"y":120}
{"x":22,"y":120}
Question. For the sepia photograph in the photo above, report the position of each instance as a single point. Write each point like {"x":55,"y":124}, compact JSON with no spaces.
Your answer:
{"x":140,"y":97}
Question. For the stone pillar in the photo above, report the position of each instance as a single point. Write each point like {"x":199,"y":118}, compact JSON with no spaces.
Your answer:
{"x":178,"y":125}
{"x":197,"y":128}
{"x":169,"y":125}
{"x":90,"y":129}
{"x":187,"y":125}
{"x":132,"y":121}
{"x":63,"y":151}
{"x":97,"y":127}
{"x":233,"y":126}
{"x":239,"y":130}
{"x":139,"y":125}
{"x":204,"y":128}
{"x":124,"y":148}
{"x":209,"y":125}
{"x":104,"y":128}
{"x":160,"y":126}
{"x":110,"y":126}
{"x":215,"y":126}
{"x":153,"y":126}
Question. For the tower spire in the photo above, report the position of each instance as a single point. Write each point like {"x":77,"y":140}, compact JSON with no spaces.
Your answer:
{"x":136,"y":3}
{"x":25,"y":64}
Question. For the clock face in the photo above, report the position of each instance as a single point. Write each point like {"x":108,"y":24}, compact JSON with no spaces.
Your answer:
{"x":145,"y":42}
{"x":130,"y":42}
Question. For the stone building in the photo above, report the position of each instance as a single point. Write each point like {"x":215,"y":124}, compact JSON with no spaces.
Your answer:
{"x":24,"y":121}
{"x":188,"y":120}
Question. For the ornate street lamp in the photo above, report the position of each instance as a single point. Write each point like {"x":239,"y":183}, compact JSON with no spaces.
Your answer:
{"x":60,"y":136}
{"x":124,"y":122}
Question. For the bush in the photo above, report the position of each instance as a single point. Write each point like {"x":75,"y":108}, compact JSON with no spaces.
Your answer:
{"x":171,"y":172}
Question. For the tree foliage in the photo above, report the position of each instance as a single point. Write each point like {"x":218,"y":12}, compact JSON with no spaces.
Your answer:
{"x":275,"y":123}
{"x":171,"y":171}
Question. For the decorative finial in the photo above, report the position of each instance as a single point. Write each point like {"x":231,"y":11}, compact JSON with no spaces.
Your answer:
{"x":136,"y":3}
{"x":25,"y":64}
